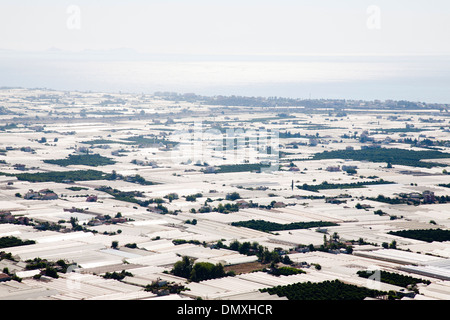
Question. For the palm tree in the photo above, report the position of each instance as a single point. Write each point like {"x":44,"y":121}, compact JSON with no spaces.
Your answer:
{"x":335,"y":236}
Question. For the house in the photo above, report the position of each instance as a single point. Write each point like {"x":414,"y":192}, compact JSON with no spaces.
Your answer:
{"x":6,"y":217}
{"x":95,"y":222}
{"x":242,"y":204}
{"x":428,"y":196}
{"x":31,"y":195}
{"x":44,"y":194}
{"x":26,"y":149}
{"x":23,"y":220}
{"x":118,"y":220}
{"x":333,"y":168}
{"x":91,"y":198}
{"x":49,"y":196}
{"x":83,"y":149}
{"x":210,"y":170}
{"x":279,"y":205}
{"x":19,"y":167}
{"x":4,"y":277}
{"x":414,"y":196}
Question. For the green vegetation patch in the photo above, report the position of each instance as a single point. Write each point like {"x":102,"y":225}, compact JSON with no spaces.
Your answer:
{"x":141,"y":140}
{"x":396,"y":130}
{"x":93,"y":160}
{"x":56,"y":176}
{"x":393,"y":278}
{"x":227,"y":168}
{"x":325,"y":185}
{"x":393,"y":156}
{"x":267,"y":226}
{"x":327,"y":290}
{"x":199,"y":271}
{"x":106,"y":141}
{"x":117,"y":275}
{"x":7,"y":242}
{"x":427,"y":235}
{"x":77,"y":188}
{"x":286,"y":271}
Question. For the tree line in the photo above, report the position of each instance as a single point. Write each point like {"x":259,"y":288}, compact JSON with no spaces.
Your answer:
{"x":393,"y":278}
{"x":327,"y":290}
{"x":427,"y":235}
{"x":267,"y":226}
{"x":93,"y":160}
{"x":325,"y":185}
{"x":200,"y":271}
{"x":391,"y":155}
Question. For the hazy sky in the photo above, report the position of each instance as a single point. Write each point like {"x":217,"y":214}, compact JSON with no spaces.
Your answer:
{"x":229,"y":27}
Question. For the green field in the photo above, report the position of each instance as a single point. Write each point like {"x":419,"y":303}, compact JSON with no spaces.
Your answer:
{"x":267,"y":226}
{"x":241,"y":167}
{"x":60,"y":176}
{"x":325,"y":185}
{"x":327,"y":290}
{"x":428,"y":235}
{"x":393,"y":156}
{"x":92,"y":160}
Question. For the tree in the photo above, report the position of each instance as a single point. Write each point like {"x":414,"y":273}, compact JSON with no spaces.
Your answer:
{"x":51,"y":272}
{"x":335,"y":236}
{"x":234,"y":245}
{"x":206,"y":270}
{"x":287,"y":260}
{"x":244,"y":248}
{"x":113,"y":175}
{"x":183,"y":268}
{"x":233,"y":196}
{"x":393,"y":245}
{"x":73,"y":222}
{"x":114,"y":244}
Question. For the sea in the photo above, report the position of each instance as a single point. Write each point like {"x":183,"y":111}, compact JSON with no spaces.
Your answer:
{"x":352,"y":77}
